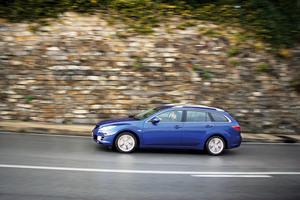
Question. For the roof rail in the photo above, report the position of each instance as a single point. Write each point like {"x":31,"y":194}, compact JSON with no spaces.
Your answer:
{"x":180,"y":105}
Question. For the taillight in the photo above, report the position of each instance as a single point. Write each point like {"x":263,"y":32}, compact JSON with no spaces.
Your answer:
{"x":237,"y":128}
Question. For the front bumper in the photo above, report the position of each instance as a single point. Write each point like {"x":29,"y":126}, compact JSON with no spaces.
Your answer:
{"x":100,"y":138}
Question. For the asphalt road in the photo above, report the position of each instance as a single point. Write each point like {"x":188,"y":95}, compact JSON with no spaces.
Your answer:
{"x":62,"y":167}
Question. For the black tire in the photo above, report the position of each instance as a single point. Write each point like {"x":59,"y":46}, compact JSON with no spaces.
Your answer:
{"x":215,"y":145}
{"x":126,"y":142}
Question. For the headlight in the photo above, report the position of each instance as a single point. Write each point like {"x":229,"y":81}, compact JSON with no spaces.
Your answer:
{"x":105,"y":128}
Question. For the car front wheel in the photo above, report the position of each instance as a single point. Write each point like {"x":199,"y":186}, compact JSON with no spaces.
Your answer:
{"x":215,"y":145}
{"x":126,"y":142}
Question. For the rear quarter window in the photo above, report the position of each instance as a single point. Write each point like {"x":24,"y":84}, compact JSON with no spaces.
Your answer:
{"x":218,"y":117}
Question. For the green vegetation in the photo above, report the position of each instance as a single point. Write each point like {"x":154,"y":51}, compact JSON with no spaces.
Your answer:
{"x":234,"y":62}
{"x":284,"y":53}
{"x":233,"y":51}
{"x":22,"y":130}
{"x":195,"y":68}
{"x":186,"y":24}
{"x":120,"y":35}
{"x":206,"y":74}
{"x":211,"y":32}
{"x":258,"y":46}
{"x":264,"y":67}
{"x":295,"y":85}
{"x":138,"y":63}
{"x":275,"y":22}
{"x":26,"y":119}
{"x":29,"y":98}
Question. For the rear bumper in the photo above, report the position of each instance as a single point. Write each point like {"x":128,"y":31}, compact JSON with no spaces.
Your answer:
{"x":236,"y":143}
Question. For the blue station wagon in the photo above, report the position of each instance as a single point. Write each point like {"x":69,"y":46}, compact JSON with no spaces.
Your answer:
{"x":174,"y":126}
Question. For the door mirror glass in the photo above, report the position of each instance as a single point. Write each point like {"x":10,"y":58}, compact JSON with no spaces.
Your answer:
{"x":155,"y":120}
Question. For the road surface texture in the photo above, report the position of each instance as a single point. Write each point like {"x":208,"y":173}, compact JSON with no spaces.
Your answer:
{"x":49,"y":167}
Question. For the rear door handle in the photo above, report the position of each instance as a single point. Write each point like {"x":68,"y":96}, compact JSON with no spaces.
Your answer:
{"x":208,"y":126}
{"x":177,"y":127}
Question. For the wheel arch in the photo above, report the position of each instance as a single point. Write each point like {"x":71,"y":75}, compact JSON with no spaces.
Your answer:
{"x":128,"y":131}
{"x":224,"y":138}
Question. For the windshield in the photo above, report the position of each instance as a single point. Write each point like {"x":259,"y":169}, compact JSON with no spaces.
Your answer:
{"x":147,"y":113}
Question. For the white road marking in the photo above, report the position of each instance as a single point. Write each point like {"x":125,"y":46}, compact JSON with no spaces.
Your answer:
{"x":231,"y":176}
{"x":192,"y":173}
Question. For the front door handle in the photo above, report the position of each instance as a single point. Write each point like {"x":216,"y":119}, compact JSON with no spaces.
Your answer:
{"x":177,"y":127}
{"x":208,"y":126}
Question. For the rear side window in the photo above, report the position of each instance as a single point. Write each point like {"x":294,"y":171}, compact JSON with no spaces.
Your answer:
{"x":197,"y":116}
{"x":218,"y":117}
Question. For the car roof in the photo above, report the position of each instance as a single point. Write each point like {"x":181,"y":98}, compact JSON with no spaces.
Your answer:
{"x":179,"y":105}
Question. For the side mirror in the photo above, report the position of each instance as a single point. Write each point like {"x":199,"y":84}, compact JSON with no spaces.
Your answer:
{"x":155,"y":120}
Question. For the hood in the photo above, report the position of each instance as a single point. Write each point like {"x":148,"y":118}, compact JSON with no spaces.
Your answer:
{"x":114,"y":120}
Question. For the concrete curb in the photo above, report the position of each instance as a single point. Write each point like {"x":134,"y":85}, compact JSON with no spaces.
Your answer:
{"x":270,"y":138}
{"x":86,"y":130}
{"x":46,"y":128}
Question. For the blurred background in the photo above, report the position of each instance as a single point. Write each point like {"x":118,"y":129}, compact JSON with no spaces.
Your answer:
{"x":81,"y":61}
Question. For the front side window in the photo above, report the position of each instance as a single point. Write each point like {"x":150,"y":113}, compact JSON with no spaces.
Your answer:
{"x":197,"y":116}
{"x":171,"y":116}
{"x":218,"y":117}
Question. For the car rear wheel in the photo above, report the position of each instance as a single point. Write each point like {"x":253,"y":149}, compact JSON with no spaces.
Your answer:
{"x":215,"y":145}
{"x":126,"y":142}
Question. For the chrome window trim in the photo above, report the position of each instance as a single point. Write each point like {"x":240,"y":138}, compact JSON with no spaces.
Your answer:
{"x":207,"y":112}
{"x":189,"y":109}
{"x":229,"y":121}
{"x":148,"y":121}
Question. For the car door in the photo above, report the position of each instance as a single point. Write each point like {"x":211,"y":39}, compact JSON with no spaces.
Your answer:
{"x":197,"y":124}
{"x":165,"y":132}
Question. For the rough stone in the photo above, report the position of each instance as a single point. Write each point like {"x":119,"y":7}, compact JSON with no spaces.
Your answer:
{"x":80,"y":72}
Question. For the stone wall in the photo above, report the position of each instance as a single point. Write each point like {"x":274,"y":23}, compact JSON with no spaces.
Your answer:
{"x":81,"y":70}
